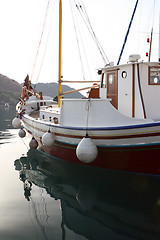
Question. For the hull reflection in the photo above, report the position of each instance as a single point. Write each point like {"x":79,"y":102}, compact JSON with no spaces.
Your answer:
{"x":96,"y":203}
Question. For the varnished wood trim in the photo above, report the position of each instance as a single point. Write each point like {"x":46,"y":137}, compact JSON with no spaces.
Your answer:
{"x":140,"y":90}
{"x":133,"y":90}
{"x":115,"y":95}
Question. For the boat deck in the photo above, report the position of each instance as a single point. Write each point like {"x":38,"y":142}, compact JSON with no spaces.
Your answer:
{"x":35,"y":114}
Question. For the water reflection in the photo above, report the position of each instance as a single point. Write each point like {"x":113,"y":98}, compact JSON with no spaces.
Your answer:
{"x":6,"y":116}
{"x":95,"y":203}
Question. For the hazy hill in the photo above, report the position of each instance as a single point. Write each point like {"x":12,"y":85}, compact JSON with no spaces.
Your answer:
{"x":51,"y":89}
{"x":10,"y":90}
{"x":8,"y":84}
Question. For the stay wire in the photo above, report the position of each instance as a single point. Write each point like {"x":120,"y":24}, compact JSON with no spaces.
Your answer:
{"x":45,"y":46}
{"x":44,"y":24}
{"x":82,"y":37}
{"x":82,"y":40}
{"x":86,"y":19}
{"x":25,"y":143}
{"x":100,"y":46}
{"x":149,"y":24}
{"x":78,"y":44}
{"x":154,"y":12}
{"x":96,"y":41}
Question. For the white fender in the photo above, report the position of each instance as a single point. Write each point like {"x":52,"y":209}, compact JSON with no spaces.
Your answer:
{"x":33,"y":143}
{"x":16,"y":122}
{"x":48,"y":139}
{"x":86,"y":150}
{"x":22,"y":133}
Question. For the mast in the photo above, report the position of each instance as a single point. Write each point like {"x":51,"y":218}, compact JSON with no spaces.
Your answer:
{"x":60,"y":53}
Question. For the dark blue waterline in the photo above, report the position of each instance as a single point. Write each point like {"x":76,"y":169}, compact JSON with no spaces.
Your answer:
{"x":103,"y":128}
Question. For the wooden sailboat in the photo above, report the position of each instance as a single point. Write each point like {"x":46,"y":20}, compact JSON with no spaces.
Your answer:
{"x":116,"y":127}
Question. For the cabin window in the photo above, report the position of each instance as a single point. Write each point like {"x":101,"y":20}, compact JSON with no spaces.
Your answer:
{"x":111,"y":79}
{"x":124,"y":74}
{"x":112,"y":87}
{"x":154,"y":75}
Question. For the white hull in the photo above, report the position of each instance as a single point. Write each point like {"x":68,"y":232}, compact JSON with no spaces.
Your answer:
{"x":115,"y":136}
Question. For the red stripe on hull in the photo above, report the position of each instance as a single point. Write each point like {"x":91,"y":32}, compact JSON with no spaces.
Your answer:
{"x":144,"y":159}
{"x":140,"y":135}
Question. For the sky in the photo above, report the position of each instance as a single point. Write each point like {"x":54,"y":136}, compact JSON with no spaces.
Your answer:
{"x":22,"y":21}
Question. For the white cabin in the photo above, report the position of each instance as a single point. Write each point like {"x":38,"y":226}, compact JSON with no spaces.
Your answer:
{"x":134,"y":88}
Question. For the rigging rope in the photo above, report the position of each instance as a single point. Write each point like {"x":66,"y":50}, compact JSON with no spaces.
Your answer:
{"x":45,"y":48}
{"x":149,"y":23}
{"x":79,"y":11}
{"x":94,"y":35}
{"x":44,"y":24}
{"x":86,"y":20}
{"x":154,"y":8}
{"x":76,"y":5}
{"x":77,"y":41}
{"x":82,"y":40}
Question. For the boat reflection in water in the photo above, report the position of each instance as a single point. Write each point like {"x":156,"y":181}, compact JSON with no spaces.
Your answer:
{"x":96,"y":203}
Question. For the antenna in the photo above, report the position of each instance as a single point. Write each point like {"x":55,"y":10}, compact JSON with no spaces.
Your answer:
{"x":159,"y":40}
{"x":150,"y":47}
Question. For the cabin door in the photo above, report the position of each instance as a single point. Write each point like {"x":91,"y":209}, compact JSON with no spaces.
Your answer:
{"x":112,"y":87}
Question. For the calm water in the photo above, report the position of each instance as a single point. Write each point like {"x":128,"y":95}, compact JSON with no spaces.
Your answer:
{"x":42,"y":198}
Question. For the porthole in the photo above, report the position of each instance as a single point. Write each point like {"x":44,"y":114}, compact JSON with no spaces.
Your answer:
{"x":124,"y":74}
{"x":155,"y":80}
